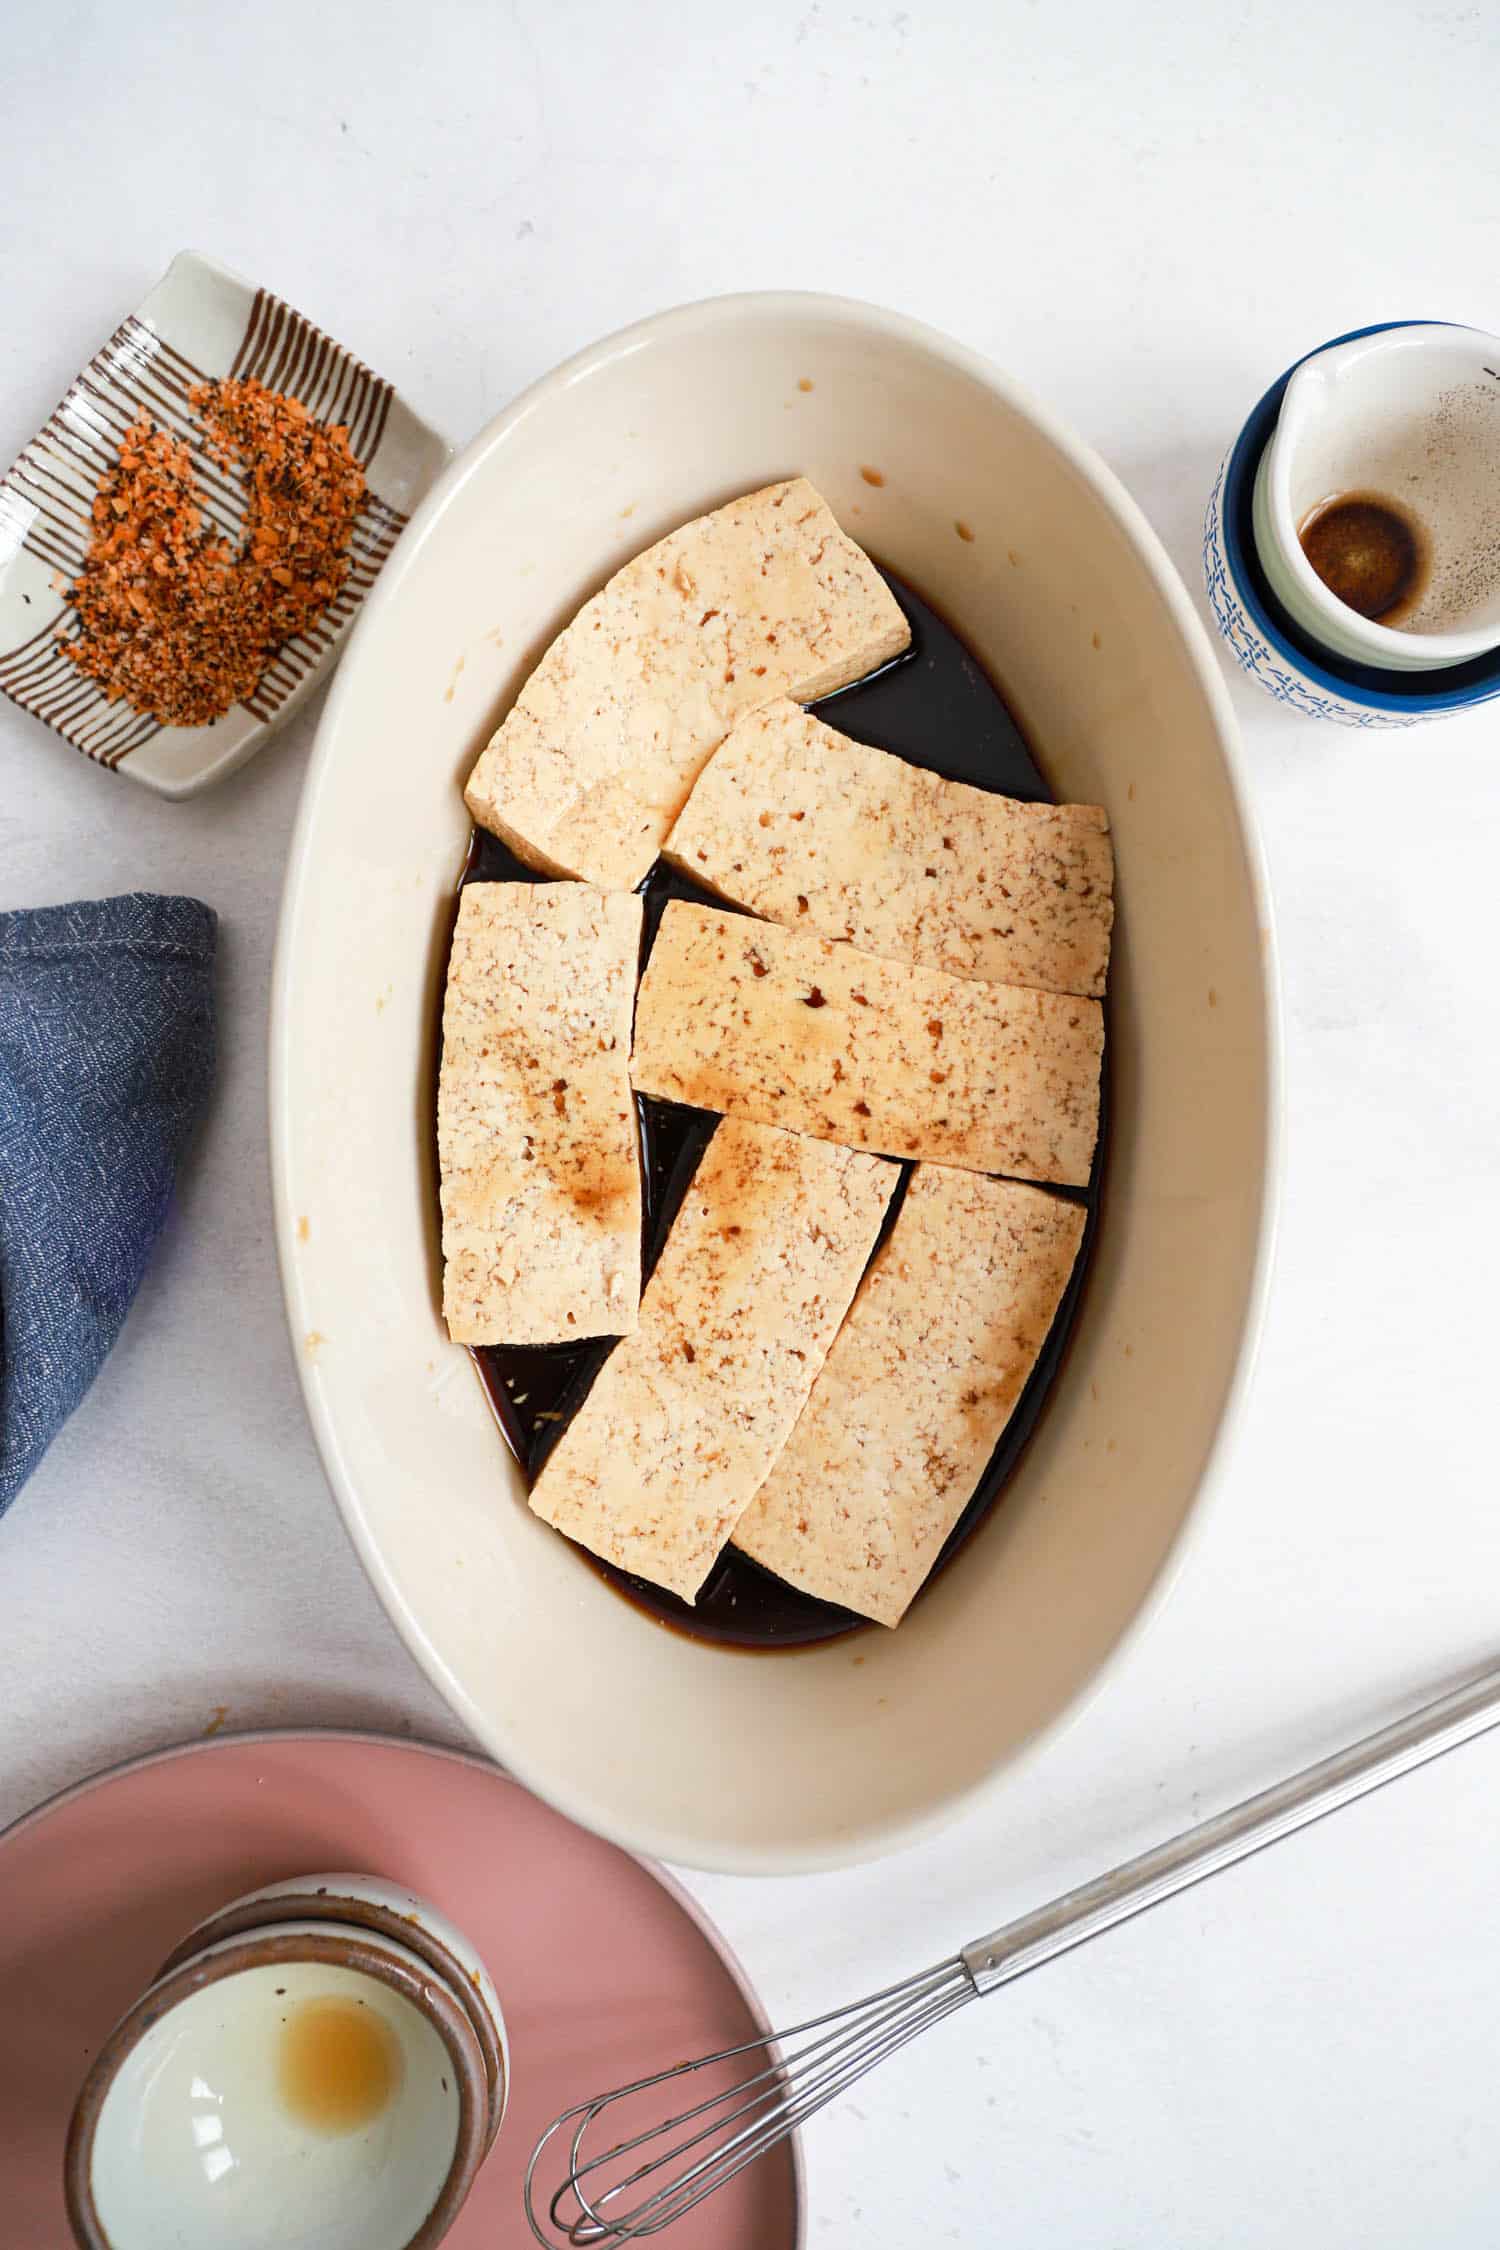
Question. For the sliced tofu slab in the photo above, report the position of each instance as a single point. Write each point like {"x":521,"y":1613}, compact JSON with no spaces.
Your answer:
{"x":808,"y":828}
{"x":913,"y":1396}
{"x":537,"y":1143}
{"x":764,"y":597}
{"x":757,"y":1021}
{"x":686,"y":1416}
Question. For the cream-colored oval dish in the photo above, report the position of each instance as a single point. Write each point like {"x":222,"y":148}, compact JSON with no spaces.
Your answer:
{"x":1026,"y":543}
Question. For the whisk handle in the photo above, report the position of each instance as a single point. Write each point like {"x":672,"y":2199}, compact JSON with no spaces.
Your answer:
{"x":1203,"y":1851}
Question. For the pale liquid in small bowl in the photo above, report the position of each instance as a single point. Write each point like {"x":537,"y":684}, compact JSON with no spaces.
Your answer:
{"x":339,"y":2064}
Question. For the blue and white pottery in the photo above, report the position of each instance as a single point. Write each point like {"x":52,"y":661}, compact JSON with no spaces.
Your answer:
{"x":1412,"y":413}
{"x":1268,"y":644}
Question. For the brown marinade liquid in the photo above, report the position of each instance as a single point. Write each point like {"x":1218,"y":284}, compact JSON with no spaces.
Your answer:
{"x":1369,"y":552}
{"x":936,"y":707}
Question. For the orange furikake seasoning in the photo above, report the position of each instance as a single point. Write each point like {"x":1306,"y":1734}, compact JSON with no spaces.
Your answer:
{"x":172,"y":616}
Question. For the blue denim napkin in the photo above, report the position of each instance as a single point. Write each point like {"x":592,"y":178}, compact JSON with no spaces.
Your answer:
{"x":106,"y":1060}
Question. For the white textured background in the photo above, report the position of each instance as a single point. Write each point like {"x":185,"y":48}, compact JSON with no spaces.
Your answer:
{"x":1144,"y":213}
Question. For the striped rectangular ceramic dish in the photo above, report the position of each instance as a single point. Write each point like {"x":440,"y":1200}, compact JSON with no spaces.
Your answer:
{"x":199,"y":322}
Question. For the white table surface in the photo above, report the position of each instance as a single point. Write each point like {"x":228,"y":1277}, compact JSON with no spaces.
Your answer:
{"x":1144,"y":213}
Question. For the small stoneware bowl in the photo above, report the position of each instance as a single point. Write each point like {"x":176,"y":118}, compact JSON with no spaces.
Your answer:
{"x":198,"y":323}
{"x":1410,"y":415}
{"x":1268,"y":642}
{"x":366,"y":1902}
{"x":305,"y":2084}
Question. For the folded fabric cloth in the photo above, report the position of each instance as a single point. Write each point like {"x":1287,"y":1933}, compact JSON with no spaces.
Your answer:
{"x":106,"y":1060}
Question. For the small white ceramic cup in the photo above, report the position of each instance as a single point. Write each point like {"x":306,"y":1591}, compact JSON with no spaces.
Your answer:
{"x":1412,"y":414}
{"x":185,"y":2129}
{"x":385,"y":1909}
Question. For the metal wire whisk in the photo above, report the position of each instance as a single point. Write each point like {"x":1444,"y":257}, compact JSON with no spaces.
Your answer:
{"x":646,"y":2181}
{"x":736,"y":2126}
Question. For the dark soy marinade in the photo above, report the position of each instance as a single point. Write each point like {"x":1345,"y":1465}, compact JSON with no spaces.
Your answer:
{"x":1370,"y":552}
{"x":935,"y":706}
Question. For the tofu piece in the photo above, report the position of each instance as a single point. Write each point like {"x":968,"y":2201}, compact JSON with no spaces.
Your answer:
{"x":764,"y":597}
{"x":757,"y":1021}
{"x":686,"y":1416}
{"x":806,"y":827}
{"x":537,"y":1143}
{"x":914,"y":1395}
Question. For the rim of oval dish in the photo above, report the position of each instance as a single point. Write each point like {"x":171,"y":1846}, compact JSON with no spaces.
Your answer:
{"x":1472,"y":682}
{"x":881,"y":1837}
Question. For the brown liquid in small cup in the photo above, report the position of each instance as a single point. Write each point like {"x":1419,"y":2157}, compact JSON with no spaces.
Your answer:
{"x":1370,"y":552}
{"x":339,"y":2064}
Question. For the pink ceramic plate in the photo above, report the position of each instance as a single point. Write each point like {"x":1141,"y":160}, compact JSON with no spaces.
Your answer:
{"x":605,"y":1970}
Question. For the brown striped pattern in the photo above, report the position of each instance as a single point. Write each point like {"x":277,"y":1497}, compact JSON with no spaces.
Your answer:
{"x":45,"y":502}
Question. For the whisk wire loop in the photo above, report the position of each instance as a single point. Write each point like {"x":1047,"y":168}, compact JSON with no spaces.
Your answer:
{"x":706,"y":2144}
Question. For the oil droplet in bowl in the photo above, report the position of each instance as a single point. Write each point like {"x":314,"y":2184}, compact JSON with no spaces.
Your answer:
{"x":339,"y":2064}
